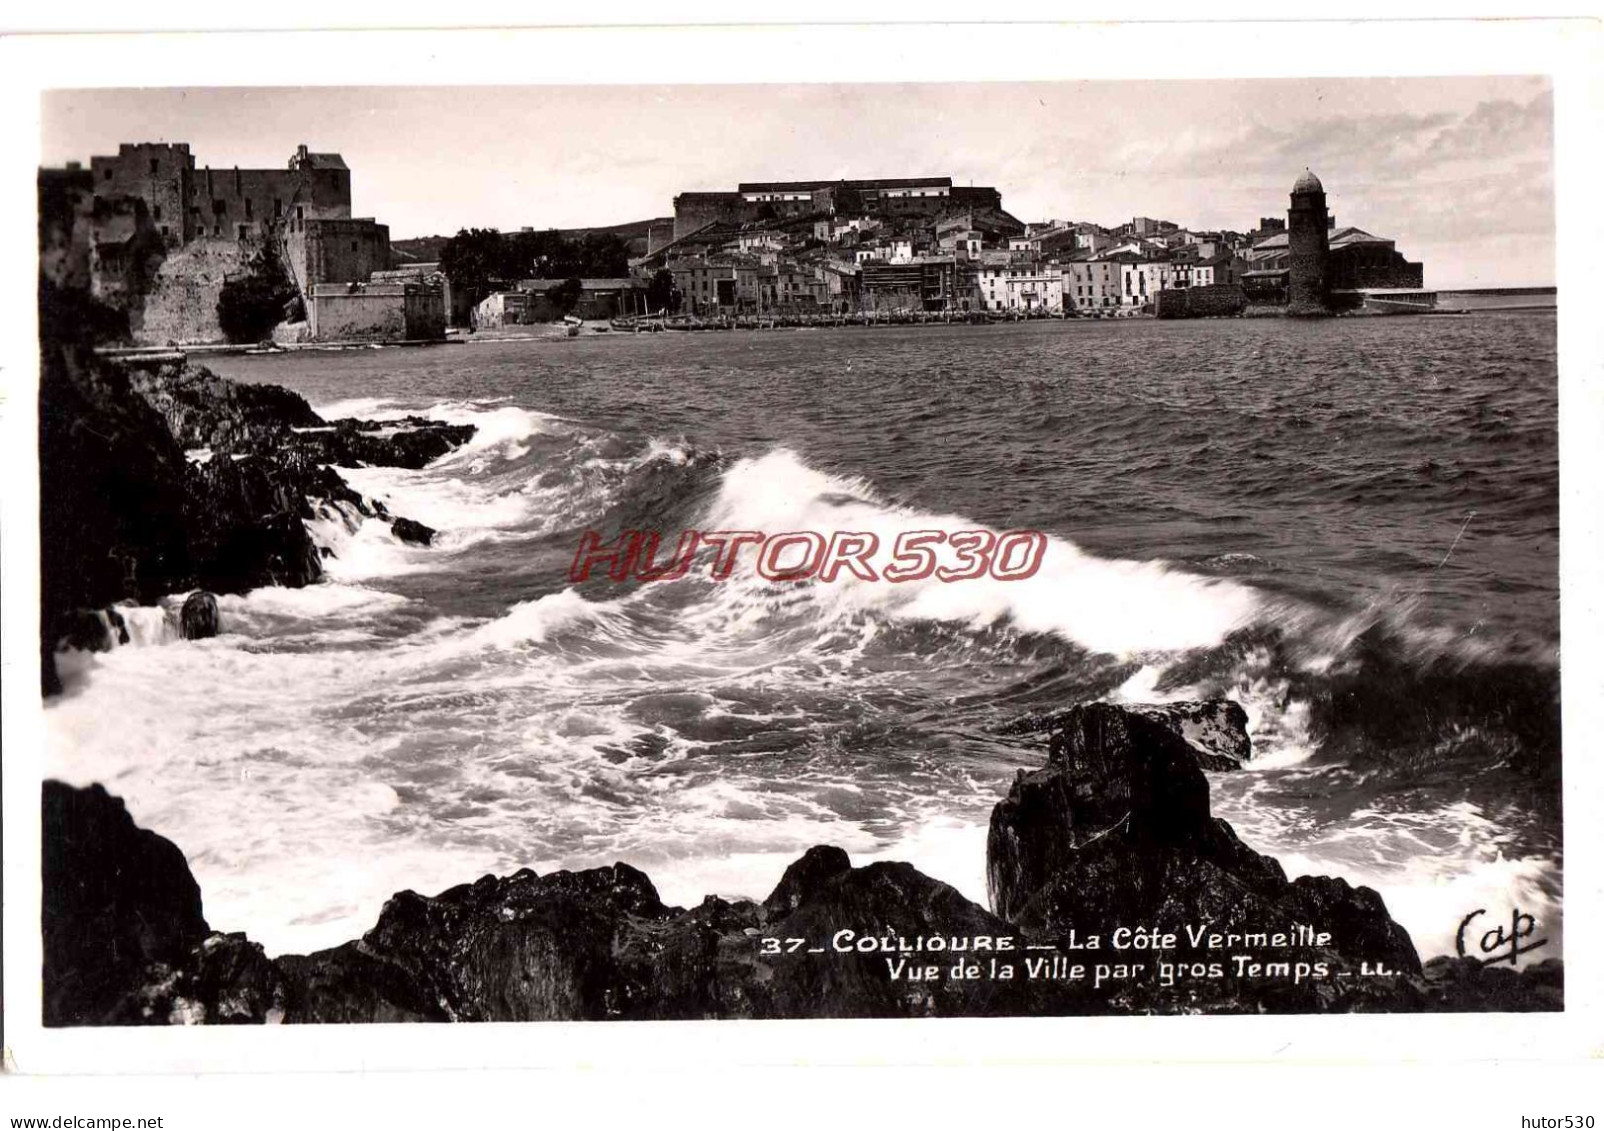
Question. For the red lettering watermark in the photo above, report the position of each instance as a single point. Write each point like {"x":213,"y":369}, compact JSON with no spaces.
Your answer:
{"x":812,"y":555}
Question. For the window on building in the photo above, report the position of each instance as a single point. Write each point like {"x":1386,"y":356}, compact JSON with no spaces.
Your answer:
{"x":219,"y":207}
{"x":217,"y":229}
{"x":353,"y":245}
{"x":244,"y":230}
{"x":249,"y":209}
{"x":155,"y":166}
{"x":156,"y":212}
{"x":278,"y":208}
{"x":108,"y":174}
{"x":164,"y":230}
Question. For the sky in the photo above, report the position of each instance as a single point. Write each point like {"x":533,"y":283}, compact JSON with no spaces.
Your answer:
{"x":1459,"y":171}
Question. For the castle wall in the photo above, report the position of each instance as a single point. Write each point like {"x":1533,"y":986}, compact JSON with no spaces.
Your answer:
{"x":181,"y":305}
{"x":376,"y":312}
{"x":186,"y":203}
{"x":335,"y":251}
{"x":1216,"y":300}
{"x":1170,"y":303}
{"x":244,"y":202}
{"x":693,"y":210}
{"x":659,"y":234}
{"x":425,"y":313}
{"x":976,"y":197}
{"x":160,"y":175}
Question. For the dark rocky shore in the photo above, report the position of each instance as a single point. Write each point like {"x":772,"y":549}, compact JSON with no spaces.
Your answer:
{"x":129,"y":516}
{"x":1113,"y":832}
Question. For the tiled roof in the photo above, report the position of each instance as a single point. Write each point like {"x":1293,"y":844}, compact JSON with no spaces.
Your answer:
{"x":1345,"y":236}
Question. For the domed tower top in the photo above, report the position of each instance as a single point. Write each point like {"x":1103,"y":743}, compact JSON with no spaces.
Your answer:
{"x":1308,"y":183}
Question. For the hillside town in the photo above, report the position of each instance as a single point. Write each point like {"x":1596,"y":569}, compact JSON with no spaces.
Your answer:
{"x":926,"y":245}
{"x":179,"y":250}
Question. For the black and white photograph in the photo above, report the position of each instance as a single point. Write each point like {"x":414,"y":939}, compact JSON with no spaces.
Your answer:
{"x":686,"y":551}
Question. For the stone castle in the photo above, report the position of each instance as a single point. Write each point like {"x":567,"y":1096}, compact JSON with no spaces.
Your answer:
{"x":158,"y":236}
{"x":757,"y":201}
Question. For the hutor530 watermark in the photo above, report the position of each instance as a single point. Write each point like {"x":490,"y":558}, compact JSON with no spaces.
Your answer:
{"x":801,"y":555}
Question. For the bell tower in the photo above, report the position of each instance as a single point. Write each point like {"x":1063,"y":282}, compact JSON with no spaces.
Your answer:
{"x":1309,"y":247}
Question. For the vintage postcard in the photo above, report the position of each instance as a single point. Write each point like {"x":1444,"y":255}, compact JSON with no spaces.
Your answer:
{"x":681,"y":551}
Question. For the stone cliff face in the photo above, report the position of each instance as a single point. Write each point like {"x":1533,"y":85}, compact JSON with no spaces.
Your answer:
{"x":126,"y":515}
{"x":1113,"y":832}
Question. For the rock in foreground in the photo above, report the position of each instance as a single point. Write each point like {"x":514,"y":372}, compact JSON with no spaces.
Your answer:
{"x":412,"y":531}
{"x":119,"y":904}
{"x":1113,"y":833}
{"x":199,"y":619}
{"x":1216,"y":730}
{"x":600,"y":945}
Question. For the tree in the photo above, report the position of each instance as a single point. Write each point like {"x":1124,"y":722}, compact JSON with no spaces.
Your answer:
{"x":602,"y":256}
{"x":662,"y":293}
{"x":472,"y":259}
{"x":551,"y":255}
{"x":565,"y":295}
{"x":249,"y":306}
{"x":537,"y":255}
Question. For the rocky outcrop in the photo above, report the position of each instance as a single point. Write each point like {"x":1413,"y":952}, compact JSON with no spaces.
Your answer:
{"x":125,"y":515}
{"x":416,"y":533}
{"x":410,"y":442}
{"x":120,"y":907}
{"x":94,"y":630}
{"x":1115,"y":831}
{"x":199,"y":618}
{"x":205,"y":411}
{"x":601,"y":945}
{"x":1113,"y":834}
{"x":232,"y":556}
{"x":202,"y":410}
{"x":1466,"y":985}
{"x":1216,"y":730}
{"x":112,"y":521}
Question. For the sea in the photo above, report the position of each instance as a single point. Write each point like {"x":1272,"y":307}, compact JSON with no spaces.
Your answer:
{"x":1349,"y":526}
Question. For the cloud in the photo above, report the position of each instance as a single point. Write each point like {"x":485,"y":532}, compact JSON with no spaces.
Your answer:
{"x":1402,"y":143}
{"x":1499,"y":127}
